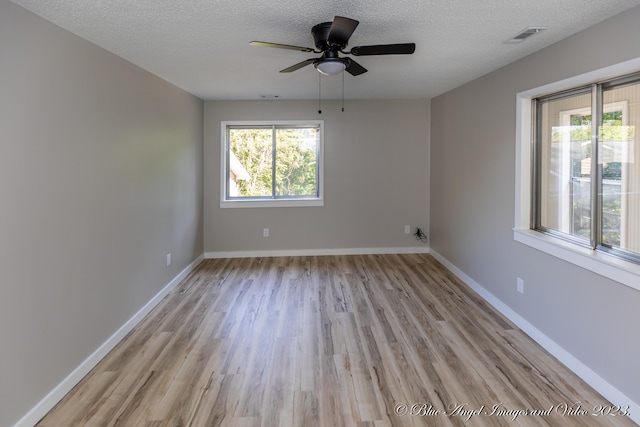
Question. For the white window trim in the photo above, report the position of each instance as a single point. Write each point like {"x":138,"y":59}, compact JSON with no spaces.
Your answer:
{"x":611,"y":267}
{"x":266,"y":203}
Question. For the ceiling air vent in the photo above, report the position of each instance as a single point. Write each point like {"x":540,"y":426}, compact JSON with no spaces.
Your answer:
{"x":527,"y":32}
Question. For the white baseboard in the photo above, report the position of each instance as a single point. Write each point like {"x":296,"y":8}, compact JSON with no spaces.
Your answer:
{"x":318,"y":252}
{"x":611,"y":393}
{"x":50,"y":400}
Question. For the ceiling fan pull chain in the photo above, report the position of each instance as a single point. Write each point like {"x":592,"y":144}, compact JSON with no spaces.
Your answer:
{"x":343,"y":92}
{"x":319,"y":93}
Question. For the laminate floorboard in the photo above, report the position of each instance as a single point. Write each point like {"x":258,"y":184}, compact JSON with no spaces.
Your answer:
{"x":364,"y":341}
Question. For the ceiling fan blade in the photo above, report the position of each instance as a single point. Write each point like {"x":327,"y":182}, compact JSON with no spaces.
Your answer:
{"x":341,"y":30}
{"x":354,"y":68}
{"x":384,"y":49}
{"x":299,"y":65}
{"x":281,"y":46}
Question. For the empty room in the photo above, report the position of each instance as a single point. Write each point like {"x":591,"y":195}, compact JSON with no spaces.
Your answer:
{"x":236,"y":213}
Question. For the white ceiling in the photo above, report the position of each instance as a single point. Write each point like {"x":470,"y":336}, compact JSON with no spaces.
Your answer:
{"x":203,"y":47}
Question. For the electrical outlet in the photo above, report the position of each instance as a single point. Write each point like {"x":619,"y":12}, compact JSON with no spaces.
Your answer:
{"x":407,"y":229}
{"x":520,"y":285}
{"x":168,"y":260}
{"x":265,"y":232}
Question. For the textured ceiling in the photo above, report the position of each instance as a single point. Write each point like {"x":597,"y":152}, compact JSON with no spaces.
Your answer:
{"x":203,"y":47}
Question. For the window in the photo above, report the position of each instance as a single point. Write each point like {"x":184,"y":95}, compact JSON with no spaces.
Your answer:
{"x":586,"y":174}
{"x":272,"y":164}
{"x":572,"y":201}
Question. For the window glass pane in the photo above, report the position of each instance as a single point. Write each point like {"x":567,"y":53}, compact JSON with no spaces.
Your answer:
{"x":250,"y":162}
{"x":296,"y":161}
{"x":564,"y":151}
{"x":619,"y":158}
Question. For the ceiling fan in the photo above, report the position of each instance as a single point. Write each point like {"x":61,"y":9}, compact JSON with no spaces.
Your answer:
{"x":331,"y":39}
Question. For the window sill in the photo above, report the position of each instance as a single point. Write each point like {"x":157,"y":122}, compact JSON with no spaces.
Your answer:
{"x":605,"y":265}
{"x":271,"y":203}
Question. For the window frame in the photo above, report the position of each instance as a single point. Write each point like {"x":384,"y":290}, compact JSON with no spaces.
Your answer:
{"x":269,"y":201}
{"x":598,"y":261}
{"x":536,"y":168}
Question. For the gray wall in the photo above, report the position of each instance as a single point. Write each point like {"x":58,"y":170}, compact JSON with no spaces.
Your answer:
{"x":472,"y":207}
{"x":376,"y":179}
{"x":100,"y":178}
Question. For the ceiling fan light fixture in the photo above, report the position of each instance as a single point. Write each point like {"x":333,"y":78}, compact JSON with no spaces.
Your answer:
{"x":330,"y":68}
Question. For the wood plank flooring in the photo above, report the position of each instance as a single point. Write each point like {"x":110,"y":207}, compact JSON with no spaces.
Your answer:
{"x":366,"y":341}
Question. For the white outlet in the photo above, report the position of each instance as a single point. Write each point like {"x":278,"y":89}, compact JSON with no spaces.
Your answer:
{"x":407,"y":229}
{"x":265,"y":232}
{"x":520,"y":285}
{"x":168,"y":260}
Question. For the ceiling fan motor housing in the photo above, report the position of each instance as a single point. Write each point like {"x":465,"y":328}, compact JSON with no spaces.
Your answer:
{"x":320,"y":35}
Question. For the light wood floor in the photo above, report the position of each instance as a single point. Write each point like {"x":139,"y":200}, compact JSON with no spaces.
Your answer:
{"x":372,"y":340}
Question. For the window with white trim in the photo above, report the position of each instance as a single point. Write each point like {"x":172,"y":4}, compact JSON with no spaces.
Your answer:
{"x":586,"y":172}
{"x":624,"y":270}
{"x":272,"y":163}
